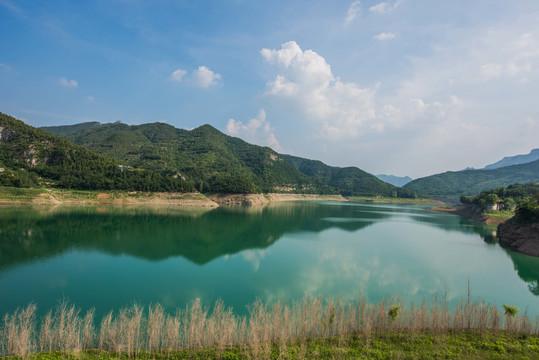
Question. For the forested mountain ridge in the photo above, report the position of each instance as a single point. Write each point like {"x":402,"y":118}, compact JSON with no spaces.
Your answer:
{"x":31,"y":157}
{"x":471,"y":182}
{"x":349,"y":181}
{"x":216,"y":162}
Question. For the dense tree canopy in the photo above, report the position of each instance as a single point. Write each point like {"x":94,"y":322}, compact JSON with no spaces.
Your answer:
{"x":215,"y":162}
{"x":32,"y":157}
{"x":471,"y":182}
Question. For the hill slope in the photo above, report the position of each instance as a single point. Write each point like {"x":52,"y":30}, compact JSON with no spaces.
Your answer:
{"x":216,"y":162}
{"x":471,"y":182}
{"x":33,"y":157}
{"x":514,"y":160}
{"x":349,"y":181}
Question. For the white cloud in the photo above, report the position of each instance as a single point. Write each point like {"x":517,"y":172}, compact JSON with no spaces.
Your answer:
{"x":257,"y":130}
{"x":177,"y":75}
{"x":305,"y":81}
{"x":353,"y":11}
{"x":68,"y":83}
{"x":384,"y":7}
{"x":204,"y":77}
{"x":385,"y":36}
{"x":90,"y":99}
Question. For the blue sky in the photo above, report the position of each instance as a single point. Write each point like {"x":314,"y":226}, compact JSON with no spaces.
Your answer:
{"x":406,"y":87}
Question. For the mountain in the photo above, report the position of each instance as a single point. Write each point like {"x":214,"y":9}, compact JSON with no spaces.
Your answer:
{"x":216,"y":162}
{"x":31,"y":157}
{"x":394,"y":180}
{"x":471,"y":182}
{"x":349,"y":181}
{"x":514,"y":160}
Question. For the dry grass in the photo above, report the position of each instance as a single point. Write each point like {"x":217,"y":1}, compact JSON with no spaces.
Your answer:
{"x":135,"y":328}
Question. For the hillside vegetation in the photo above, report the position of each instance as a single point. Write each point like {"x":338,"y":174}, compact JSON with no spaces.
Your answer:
{"x":349,"y":181}
{"x":216,"y":162}
{"x":32,"y":157}
{"x":512,"y":196}
{"x":471,"y":182}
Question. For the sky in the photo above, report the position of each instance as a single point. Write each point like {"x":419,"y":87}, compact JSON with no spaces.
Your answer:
{"x":402,"y":87}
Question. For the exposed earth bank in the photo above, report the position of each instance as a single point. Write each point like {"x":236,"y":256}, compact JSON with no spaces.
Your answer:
{"x":523,"y":238}
{"x":262,"y":199}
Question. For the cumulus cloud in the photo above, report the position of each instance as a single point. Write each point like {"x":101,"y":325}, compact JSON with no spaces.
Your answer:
{"x":177,"y":75}
{"x":305,"y":80}
{"x":384,"y":7}
{"x":68,"y":83}
{"x":385,"y":36}
{"x":256,"y":130}
{"x":204,"y":77}
{"x":353,"y":11}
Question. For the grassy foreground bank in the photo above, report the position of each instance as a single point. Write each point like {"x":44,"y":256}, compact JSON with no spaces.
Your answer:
{"x":311,"y":328}
{"x":376,"y":345}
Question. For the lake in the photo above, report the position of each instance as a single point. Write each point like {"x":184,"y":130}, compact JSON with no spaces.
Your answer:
{"x":109,"y":257}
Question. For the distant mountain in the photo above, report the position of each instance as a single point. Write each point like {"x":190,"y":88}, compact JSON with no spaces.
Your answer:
{"x":471,"y":182}
{"x":514,"y":160}
{"x":31,"y":157}
{"x":394,"y":180}
{"x":216,"y":162}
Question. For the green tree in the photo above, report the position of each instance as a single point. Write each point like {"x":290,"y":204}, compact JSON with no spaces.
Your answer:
{"x":492,"y":199}
{"x":509,"y":203}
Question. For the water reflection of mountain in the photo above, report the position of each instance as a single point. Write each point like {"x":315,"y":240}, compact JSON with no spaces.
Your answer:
{"x":527,"y":268}
{"x":450,"y":222}
{"x":29,"y":234}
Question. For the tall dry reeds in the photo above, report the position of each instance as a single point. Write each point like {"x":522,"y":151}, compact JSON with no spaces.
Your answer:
{"x":136,"y":328}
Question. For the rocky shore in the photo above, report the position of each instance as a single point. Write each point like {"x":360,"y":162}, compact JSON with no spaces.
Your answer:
{"x":523,"y":238}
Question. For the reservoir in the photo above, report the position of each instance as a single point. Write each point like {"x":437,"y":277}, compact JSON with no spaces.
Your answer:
{"x":109,"y":257}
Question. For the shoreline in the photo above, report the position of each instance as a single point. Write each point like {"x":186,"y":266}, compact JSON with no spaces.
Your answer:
{"x":49,"y":196}
{"x":473,"y":213}
{"x":388,"y":200}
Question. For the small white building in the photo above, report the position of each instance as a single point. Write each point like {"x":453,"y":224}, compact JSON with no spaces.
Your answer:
{"x":1,"y":169}
{"x":495,"y":207}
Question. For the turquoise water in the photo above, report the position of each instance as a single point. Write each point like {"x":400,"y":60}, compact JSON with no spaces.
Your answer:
{"x":109,"y":257}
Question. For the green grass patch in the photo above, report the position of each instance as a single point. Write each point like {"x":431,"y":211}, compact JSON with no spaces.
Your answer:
{"x":500,"y":214}
{"x":19,"y":194}
{"x":375,"y":345}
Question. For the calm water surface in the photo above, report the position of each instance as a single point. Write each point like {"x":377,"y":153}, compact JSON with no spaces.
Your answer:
{"x":109,"y":257}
